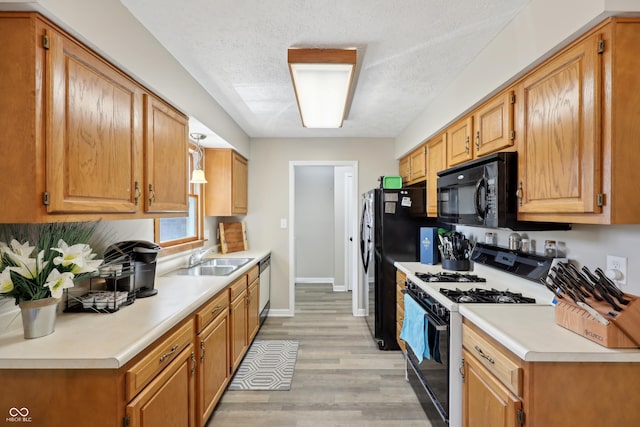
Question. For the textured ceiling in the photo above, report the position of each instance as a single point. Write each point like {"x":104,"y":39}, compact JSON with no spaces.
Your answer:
{"x":408,"y":51}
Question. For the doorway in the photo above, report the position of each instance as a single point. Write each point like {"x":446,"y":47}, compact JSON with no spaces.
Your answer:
{"x":312,"y":250}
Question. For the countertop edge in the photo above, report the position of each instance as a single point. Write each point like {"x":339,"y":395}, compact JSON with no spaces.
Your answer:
{"x":125,"y":352}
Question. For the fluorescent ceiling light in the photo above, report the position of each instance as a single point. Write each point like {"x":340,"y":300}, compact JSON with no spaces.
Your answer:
{"x":322,"y":83}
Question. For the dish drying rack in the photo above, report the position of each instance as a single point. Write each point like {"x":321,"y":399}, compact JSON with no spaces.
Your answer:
{"x":103,"y":294}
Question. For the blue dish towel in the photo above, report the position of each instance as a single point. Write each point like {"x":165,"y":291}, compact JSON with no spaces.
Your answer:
{"x":414,"y":331}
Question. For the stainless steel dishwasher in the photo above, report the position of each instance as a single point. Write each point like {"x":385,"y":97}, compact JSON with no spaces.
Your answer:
{"x":265,"y":287}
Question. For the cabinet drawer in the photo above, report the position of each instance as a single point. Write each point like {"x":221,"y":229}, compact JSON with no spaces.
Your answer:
{"x":157,"y":358}
{"x":237,"y":287}
{"x":209,"y":312}
{"x":253,"y":274}
{"x":492,"y":358}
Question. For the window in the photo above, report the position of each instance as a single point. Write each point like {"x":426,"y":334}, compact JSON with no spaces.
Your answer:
{"x":182,"y":233}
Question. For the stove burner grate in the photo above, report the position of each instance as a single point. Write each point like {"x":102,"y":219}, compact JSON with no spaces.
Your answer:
{"x":478,"y":295}
{"x":449,"y":277}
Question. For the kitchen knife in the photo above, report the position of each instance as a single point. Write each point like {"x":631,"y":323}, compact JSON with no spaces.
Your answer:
{"x":599,"y":317}
{"x":585,"y":282}
{"x":611,"y":287}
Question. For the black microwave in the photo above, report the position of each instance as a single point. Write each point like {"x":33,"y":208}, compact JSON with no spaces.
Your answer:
{"x":482,"y":193}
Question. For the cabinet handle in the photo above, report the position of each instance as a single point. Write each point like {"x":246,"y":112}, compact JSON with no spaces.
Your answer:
{"x":201,"y":352}
{"x":216,"y":310}
{"x":461,"y":369}
{"x":519,"y":193}
{"x":169,"y":354}
{"x":152,"y":195}
{"x":486,"y":356}
{"x":193,"y":363}
{"x":138,"y":193}
{"x":466,"y":145}
{"x":477,"y":140}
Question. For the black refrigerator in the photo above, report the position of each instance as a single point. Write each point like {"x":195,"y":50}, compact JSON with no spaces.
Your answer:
{"x":389,"y":232}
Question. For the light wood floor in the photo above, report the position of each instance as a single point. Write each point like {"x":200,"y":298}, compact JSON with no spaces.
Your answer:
{"x":340,"y":379}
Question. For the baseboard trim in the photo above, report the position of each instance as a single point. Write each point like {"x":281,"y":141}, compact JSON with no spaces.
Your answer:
{"x":280,"y":313}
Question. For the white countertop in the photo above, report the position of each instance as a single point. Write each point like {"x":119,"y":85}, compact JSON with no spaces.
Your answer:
{"x":531,"y":333}
{"x":528,"y":330}
{"x":108,"y":341}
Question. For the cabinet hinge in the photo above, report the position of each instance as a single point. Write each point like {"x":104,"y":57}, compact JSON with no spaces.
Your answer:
{"x":512,"y":135}
{"x":520,"y":417}
{"x":600,"y":46}
{"x":512,"y":99}
{"x":600,"y":199}
{"x":45,"y":198}
{"x":45,"y":42}
{"x":125,"y":421}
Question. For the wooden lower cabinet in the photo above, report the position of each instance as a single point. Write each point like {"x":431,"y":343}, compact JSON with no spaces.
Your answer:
{"x":500,"y":389}
{"x":212,"y":344}
{"x":238,"y":325}
{"x":169,"y":400}
{"x":401,"y":279}
{"x":487,"y":402}
{"x":253,"y":314}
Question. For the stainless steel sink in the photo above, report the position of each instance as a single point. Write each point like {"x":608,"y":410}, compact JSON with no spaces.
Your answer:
{"x":214,"y":267}
{"x":236,"y":262}
{"x":207,"y":270}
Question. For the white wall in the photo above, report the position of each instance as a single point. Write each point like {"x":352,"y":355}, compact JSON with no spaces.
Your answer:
{"x":587,"y":245}
{"x":269,"y":191}
{"x":314,"y":222}
{"x":536,"y":32}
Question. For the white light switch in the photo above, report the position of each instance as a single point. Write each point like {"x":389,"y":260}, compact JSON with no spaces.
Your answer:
{"x":283,"y":223}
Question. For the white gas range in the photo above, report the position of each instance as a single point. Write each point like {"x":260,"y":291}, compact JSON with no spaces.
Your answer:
{"x":437,"y":380}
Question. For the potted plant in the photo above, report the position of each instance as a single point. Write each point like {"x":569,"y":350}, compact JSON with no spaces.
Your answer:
{"x":36,"y":275}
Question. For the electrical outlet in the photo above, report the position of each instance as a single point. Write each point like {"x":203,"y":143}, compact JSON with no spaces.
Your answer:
{"x":618,"y":263}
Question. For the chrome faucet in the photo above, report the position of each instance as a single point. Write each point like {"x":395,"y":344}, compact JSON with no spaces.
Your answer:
{"x":196,"y":258}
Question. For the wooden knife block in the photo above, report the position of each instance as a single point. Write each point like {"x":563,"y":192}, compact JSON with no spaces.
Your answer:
{"x":621,"y":332}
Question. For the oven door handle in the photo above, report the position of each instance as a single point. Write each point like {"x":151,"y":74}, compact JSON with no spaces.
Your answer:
{"x":436,"y":324}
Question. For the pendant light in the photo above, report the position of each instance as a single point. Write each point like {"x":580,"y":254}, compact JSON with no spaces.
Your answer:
{"x":197,"y":176}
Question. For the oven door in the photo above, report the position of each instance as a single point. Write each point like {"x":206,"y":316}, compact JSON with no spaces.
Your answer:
{"x":430,"y":378}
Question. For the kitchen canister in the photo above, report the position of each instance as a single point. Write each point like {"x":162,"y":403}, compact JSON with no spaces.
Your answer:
{"x":514,"y":241}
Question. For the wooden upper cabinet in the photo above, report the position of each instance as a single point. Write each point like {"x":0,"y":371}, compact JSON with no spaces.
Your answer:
{"x":73,"y":132}
{"x":226,"y":193}
{"x":436,"y":162}
{"x":92,"y":140}
{"x":404,"y":169}
{"x":494,"y":124}
{"x":459,"y":146}
{"x":166,"y":156}
{"x":418,"y":164}
{"x":559,"y":162}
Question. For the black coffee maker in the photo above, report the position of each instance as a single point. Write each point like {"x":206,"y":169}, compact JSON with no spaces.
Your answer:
{"x":139,"y":257}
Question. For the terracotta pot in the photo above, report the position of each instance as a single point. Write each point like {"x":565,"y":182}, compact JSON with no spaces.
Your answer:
{"x":39,"y":316}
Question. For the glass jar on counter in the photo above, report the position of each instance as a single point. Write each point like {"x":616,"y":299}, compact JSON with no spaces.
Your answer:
{"x":550,"y":248}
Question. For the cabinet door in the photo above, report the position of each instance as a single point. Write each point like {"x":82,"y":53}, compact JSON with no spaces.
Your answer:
{"x":253,"y":315}
{"x":238,"y":317}
{"x":436,"y":162}
{"x":418,"y":166}
{"x":169,"y":399}
{"x":213,"y":372}
{"x":404,"y":169}
{"x":559,"y":162}
{"x":459,"y":147}
{"x":493,"y":125}
{"x":239,"y":185}
{"x":486,"y":401}
{"x":93,"y":133}
{"x":166,"y":153}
